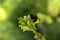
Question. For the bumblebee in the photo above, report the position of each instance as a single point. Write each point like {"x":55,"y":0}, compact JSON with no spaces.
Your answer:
{"x":33,"y":17}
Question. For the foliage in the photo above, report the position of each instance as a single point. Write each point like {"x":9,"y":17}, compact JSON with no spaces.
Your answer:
{"x":48,"y":12}
{"x":28,"y":25}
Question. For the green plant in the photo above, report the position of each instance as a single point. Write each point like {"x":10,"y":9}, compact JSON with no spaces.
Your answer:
{"x":28,"y":25}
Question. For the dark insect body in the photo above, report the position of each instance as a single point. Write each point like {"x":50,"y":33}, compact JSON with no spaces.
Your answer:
{"x":33,"y":17}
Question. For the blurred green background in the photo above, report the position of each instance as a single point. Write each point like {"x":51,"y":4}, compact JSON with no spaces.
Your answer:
{"x":47,"y":10}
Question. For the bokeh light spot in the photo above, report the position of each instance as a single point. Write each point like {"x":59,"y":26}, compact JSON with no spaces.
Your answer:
{"x":2,"y":14}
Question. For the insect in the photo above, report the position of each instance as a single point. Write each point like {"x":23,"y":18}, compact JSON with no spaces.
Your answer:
{"x":33,"y":17}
